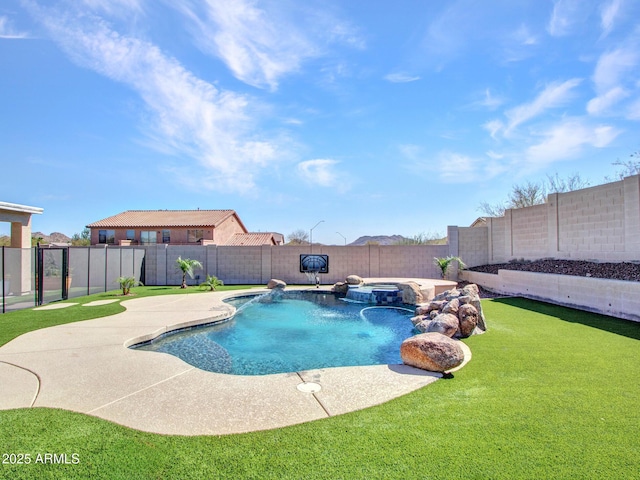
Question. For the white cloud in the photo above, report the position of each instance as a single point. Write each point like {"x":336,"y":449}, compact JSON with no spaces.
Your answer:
{"x":321,"y":172}
{"x":523,"y":36}
{"x":613,"y":65}
{"x":118,"y":8}
{"x":8,"y":32}
{"x":490,"y":101}
{"x":262,"y":44}
{"x":186,"y":115}
{"x":553,"y":96}
{"x":609,"y":13}
{"x":401,"y":77}
{"x":601,"y":104}
{"x":567,"y":140}
{"x":566,"y":13}
{"x":494,"y":127}
{"x":456,"y":168}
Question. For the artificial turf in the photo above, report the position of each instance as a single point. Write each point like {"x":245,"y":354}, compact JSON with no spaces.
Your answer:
{"x":550,"y":392}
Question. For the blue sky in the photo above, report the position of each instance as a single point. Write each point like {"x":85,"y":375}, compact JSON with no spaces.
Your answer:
{"x":377,"y":117}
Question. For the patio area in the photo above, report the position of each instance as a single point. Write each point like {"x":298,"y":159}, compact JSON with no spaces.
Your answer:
{"x":86,"y":367}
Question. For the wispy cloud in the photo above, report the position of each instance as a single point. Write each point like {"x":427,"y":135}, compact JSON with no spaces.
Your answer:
{"x":567,"y":140}
{"x":609,"y":13}
{"x":489,"y":100}
{"x":554,"y":95}
{"x":116,"y":8}
{"x":401,"y":77}
{"x":7,"y":30}
{"x":613,"y":65}
{"x":262,"y":44}
{"x":186,"y":115}
{"x":565,"y":15}
{"x":449,"y":166}
{"x":611,"y":77}
{"x":603,"y":103}
{"x":322,"y":172}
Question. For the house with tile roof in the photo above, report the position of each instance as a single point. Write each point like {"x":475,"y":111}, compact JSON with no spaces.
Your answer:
{"x":174,"y":227}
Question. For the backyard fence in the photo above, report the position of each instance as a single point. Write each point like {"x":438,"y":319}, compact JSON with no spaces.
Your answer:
{"x":35,"y":276}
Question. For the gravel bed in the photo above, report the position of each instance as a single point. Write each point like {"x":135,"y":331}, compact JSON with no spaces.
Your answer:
{"x":629,"y":271}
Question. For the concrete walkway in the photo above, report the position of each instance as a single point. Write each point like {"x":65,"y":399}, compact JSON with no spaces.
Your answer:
{"x":86,"y":367}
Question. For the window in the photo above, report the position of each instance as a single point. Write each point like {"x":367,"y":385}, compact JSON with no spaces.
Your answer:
{"x":148,"y":238}
{"x":131,"y":234}
{"x":166,"y":236}
{"x":194,"y":236}
{"x":107,"y":236}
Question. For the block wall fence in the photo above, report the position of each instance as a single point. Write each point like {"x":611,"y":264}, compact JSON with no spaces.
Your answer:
{"x":599,"y":223}
{"x":257,"y":265}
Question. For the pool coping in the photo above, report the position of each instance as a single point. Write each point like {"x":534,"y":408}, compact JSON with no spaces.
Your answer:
{"x":86,"y":367}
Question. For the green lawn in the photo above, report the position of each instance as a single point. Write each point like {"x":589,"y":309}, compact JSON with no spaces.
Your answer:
{"x":550,"y":393}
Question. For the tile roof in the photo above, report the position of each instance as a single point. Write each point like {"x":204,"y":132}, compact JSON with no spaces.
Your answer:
{"x":251,"y":239}
{"x":165,"y":218}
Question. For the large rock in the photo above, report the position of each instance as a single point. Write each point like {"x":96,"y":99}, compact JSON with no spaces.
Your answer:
{"x":411,"y":294}
{"x":275,"y":283}
{"x":468,"y":317}
{"x":340,"y":287}
{"x":354,"y":280}
{"x":445,"y":323}
{"x":432,"y":351}
{"x":464,"y":303}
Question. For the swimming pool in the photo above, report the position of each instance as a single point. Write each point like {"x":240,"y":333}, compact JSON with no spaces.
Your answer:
{"x":290,"y":332}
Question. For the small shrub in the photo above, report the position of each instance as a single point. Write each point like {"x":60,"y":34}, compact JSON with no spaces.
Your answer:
{"x":212,"y":282}
{"x":127,"y":283}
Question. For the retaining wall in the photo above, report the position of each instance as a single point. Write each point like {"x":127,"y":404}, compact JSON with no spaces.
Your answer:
{"x":616,"y":298}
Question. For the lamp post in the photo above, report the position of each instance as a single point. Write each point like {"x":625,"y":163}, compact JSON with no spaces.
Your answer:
{"x":345,"y":238}
{"x":311,"y":234}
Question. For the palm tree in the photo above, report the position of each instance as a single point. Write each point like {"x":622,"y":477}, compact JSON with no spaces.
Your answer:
{"x":187,"y":265}
{"x":126,"y":283}
{"x":444,"y":263}
{"x":212,"y":282}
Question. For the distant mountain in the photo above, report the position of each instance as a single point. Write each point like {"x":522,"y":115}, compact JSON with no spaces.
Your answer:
{"x":378,"y":240}
{"x":55,"y":237}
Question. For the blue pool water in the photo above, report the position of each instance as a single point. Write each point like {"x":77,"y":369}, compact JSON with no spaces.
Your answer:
{"x":297,"y":331}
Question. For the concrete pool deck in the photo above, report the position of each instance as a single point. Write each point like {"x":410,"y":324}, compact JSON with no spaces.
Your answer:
{"x":85,"y":367}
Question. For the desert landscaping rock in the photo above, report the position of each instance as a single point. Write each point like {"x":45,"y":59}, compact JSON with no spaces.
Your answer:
{"x":456,"y":312}
{"x":411,"y":294}
{"x":432,"y":351}
{"x":468,"y":318}
{"x":354,"y":280}
{"x":275,"y":283}
{"x":445,"y":323}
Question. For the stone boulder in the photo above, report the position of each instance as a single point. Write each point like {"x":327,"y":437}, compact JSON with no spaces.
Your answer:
{"x":275,"y":283}
{"x":463,"y":303}
{"x":468,"y":317}
{"x":446,"y":324}
{"x":432,"y":351}
{"x":340,"y":287}
{"x":411,"y":294}
{"x":354,"y":280}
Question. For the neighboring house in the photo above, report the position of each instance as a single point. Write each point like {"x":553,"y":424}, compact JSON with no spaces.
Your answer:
{"x":176,"y":227}
{"x":256,"y":239}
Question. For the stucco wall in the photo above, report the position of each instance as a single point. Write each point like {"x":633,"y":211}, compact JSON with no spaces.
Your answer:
{"x":256,"y":265}
{"x":597,"y":223}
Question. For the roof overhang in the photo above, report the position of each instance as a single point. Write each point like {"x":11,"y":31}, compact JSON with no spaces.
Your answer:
{"x":14,"y":207}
